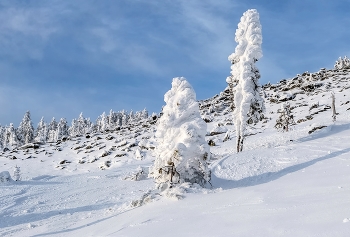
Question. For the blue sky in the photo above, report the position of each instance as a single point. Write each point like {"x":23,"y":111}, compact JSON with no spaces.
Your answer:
{"x":60,"y":58}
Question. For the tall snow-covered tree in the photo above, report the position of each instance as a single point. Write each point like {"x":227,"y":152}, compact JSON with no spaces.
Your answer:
{"x":41,"y":131}
{"x":248,"y":104}
{"x":285,"y":119}
{"x":182,"y":152}
{"x":25,"y":131}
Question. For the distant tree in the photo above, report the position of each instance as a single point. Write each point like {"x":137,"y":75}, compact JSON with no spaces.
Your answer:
{"x":144,"y":113}
{"x":113,"y":120}
{"x":131,"y":117}
{"x":285,"y":119}
{"x":2,"y":136}
{"x":80,"y":126}
{"x":17,"y":173}
{"x":25,"y":131}
{"x":334,"y":113}
{"x":248,"y":104}
{"x":104,"y":123}
{"x":52,"y":130}
{"x":41,"y":131}
{"x":10,"y":137}
{"x":342,"y":63}
{"x":125,"y":118}
{"x":62,"y":129}
{"x":182,"y":152}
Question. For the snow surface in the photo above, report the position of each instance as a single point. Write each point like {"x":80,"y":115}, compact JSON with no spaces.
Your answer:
{"x":295,"y":183}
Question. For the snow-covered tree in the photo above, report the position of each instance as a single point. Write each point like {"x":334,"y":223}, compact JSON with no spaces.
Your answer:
{"x":2,"y":134}
{"x":182,"y":152}
{"x":79,"y":126}
{"x":62,"y":129}
{"x":17,"y":173}
{"x":248,"y":104}
{"x":342,"y":63}
{"x":51,"y":131}
{"x":41,"y":131}
{"x":144,"y":113}
{"x":25,"y":131}
{"x":125,"y":118}
{"x":334,"y":113}
{"x":285,"y":119}
{"x":113,"y":120}
{"x":10,"y":137}
{"x":104,"y":122}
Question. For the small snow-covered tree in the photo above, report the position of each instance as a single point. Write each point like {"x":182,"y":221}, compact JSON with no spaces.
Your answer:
{"x":17,"y":173}
{"x":285,"y":119}
{"x":248,"y":104}
{"x":25,"y":131}
{"x":41,"y":131}
{"x":334,"y":113}
{"x":182,"y":152}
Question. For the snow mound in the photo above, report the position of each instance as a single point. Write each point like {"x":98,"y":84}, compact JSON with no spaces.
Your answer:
{"x":5,"y":177}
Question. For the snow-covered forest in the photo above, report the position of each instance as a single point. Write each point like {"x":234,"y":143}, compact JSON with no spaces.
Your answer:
{"x":25,"y":133}
{"x":253,"y":160}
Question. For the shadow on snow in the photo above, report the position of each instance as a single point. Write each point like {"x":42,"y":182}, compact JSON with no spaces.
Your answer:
{"x":271,"y":176}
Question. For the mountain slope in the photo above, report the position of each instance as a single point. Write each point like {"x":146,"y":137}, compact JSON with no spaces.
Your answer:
{"x":283,"y":184}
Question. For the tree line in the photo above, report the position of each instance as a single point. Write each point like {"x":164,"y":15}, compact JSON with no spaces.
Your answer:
{"x":11,"y":137}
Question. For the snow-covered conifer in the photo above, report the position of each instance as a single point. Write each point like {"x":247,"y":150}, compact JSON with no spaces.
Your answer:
{"x":248,"y":104}
{"x":62,"y":129}
{"x":10,"y":137}
{"x":286,"y":119}
{"x":144,"y":113}
{"x":2,"y":134}
{"x":52,"y":130}
{"x":17,"y":173}
{"x":334,"y":113}
{"x":182,"y":152}
{"x":104,"y":122}
{"x":79,"y":126}
{"x":342,"y":63}
{"x":41,"y":131}
{"x":25,"y":131}
{"x":113,"y":120}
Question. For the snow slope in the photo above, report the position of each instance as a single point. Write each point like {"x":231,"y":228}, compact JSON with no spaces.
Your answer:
{"x":282,"y":184}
